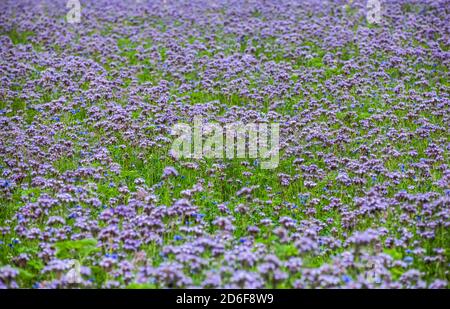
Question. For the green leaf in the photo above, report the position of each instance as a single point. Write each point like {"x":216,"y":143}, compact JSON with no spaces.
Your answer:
{"x":76,"y":248}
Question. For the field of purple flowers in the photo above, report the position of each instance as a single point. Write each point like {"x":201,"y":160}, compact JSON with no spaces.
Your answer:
{"x":361,"y":195}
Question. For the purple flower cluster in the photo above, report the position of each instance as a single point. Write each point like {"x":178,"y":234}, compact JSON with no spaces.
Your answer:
{"x":360,"y":199}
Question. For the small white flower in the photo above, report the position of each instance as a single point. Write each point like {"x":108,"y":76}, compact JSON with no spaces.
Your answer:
{"x":73,"y":276}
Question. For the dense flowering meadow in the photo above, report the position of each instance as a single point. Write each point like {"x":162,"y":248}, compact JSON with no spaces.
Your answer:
{"x":361,"y":195}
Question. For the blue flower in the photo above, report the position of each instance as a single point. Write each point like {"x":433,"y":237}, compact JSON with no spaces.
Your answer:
{"x":178,"y":237}
{"x":5,"y":183}
{"x":408,"y":259}
{"x":346,"y":279}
